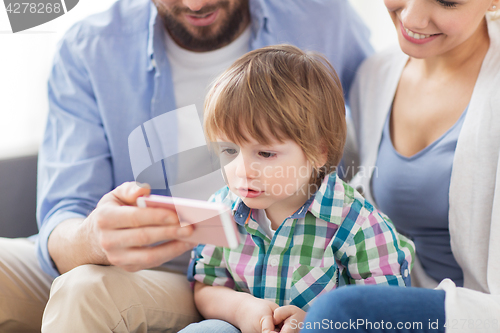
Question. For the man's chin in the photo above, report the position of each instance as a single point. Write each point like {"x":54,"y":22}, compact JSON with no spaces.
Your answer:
{"x":204,"y":34}
{"x":200,"y":42}
{"x":221,"y":32}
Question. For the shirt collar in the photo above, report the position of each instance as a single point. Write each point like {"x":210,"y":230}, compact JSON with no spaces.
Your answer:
{"x":157,"y":53}
{"x":323,"y":204}
{"x":328,"y":204}
{"x":259,"y":15}
{"x":152,"y":22}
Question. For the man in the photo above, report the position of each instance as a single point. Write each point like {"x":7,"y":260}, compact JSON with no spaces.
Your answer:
{"x":113,"y":72}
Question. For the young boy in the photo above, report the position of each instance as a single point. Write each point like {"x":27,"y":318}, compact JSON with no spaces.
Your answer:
{"x":276,"y":117}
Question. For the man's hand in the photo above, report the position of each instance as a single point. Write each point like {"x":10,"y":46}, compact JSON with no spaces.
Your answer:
{"x":288,"y":318}
{"x":119,"y":233}
{"x":255,"y":315}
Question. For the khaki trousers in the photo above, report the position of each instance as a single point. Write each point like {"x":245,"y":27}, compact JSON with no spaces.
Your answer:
{"x":89,"y":298}
{"x":24,"y":287}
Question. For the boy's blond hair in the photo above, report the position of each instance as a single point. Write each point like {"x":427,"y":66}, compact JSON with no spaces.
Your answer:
{"x":283,"y":93}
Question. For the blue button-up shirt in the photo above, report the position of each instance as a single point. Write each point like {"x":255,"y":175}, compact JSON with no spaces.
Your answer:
{"x":111,"y":74}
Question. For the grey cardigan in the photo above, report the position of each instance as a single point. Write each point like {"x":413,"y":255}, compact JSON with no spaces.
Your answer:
{"x":475,"y":181}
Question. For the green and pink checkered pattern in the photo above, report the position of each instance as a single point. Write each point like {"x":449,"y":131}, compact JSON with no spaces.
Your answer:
{"x":337,"y":238}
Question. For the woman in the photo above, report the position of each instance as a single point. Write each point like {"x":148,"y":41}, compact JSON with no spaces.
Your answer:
{"x":428,"y":118}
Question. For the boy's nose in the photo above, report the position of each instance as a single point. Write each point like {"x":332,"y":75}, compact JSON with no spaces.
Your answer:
{"x":244,"y":167}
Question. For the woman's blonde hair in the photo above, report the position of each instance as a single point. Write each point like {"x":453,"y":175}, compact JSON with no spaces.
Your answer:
{"x":283,"y":93}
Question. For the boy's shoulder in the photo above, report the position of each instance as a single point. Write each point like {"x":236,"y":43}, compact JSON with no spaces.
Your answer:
{"x":336,"y":198}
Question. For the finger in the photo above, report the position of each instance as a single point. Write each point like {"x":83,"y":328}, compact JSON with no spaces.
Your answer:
{"x":293,"y":323}
{"x":113,"y":217}
{"x":134,"y":259}
{"x":126,"y":194}
{"x":283,"y":312}
{"x":136,"y":237}
{"x":273,"y":306}
{"x":266,"y":324}
{"x":287,"y":328}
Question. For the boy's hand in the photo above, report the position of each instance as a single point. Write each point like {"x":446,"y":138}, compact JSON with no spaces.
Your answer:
{"x":289,"y":317}
{"x":256,"y":316}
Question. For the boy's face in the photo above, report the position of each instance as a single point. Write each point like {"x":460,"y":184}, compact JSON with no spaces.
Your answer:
{"x":275,"y":177}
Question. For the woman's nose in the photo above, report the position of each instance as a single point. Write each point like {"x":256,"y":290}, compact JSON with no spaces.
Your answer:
{"x":416,"y":15}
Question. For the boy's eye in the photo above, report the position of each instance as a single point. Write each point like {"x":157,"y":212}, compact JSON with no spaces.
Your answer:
{"x":229,"y":151}
{"x":266,"y":154}
{"x":447,"y":4}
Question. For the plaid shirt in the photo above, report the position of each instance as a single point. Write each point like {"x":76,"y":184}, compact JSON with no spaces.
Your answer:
{"x":336,"y":238}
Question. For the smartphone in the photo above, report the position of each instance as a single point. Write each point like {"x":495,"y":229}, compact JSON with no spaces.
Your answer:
{"x":213,"y":222}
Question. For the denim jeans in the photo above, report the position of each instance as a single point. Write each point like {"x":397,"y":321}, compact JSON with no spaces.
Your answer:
{"x":375,"y":309}
{"x":210,"y":326}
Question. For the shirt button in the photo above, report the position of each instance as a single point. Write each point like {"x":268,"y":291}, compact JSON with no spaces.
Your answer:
{"x":274,"y":262}
{"x":405,"y":273}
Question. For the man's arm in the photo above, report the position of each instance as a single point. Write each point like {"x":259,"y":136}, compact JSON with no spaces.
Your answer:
{"x":81,"y":220}
{"x":342,"y":37}
{"x":119,"y":233}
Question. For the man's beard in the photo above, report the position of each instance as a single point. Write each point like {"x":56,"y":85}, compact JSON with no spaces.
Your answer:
{"x":206,"y":39}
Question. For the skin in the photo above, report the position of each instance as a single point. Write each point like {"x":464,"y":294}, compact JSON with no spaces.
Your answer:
{"x":280,"y":171}
{"x":260,"y":167}
{"x":443,"y":70}
{"x":232,"y":18}
{"x":248,"y":313}
{"x":117,"y":232}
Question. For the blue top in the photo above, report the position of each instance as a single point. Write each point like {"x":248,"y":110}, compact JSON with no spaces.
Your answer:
{"x":111,"y":74}
{"x":414,"y":193}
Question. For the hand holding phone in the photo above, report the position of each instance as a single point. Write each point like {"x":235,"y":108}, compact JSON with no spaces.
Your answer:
{"x":213,"y":222}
